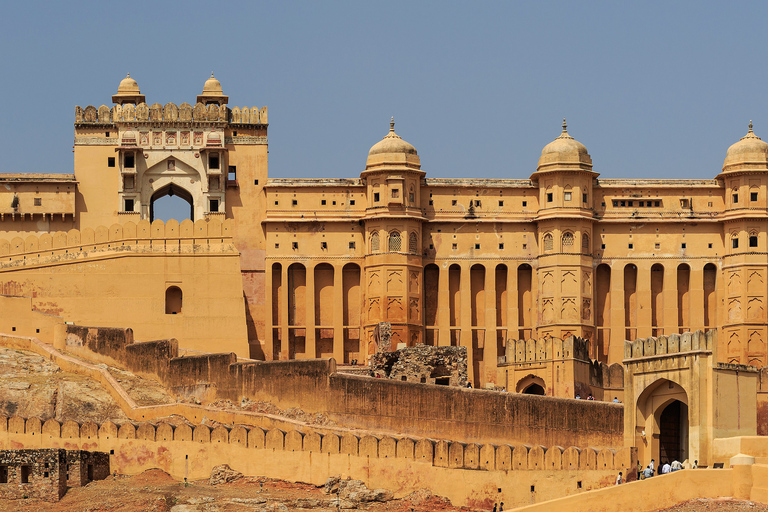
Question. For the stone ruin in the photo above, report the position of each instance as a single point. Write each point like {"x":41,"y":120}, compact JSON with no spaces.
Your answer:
{"x":426,"y":364}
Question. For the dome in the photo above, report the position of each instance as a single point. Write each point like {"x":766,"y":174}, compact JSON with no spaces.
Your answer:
{"x":392,"y":150}
{"x":212,"y":93}
{"x":128,"y":92}
{"x":128,"y":86}
{"x":751,"y":152}
{"x":564,"y":150}
{"x":212,"y":86}
{"x":392,"y":143}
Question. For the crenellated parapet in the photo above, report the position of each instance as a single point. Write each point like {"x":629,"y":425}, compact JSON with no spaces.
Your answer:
{"x":673,"y":345}
{"x":210,"y":234}
{"x":547,"y":349}
{"x":170,"y":113}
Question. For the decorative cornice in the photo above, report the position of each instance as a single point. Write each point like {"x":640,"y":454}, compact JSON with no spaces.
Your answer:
{"x":95,"y":141}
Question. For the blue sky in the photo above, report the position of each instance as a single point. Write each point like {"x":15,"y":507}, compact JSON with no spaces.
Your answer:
{"x":653,"y":89}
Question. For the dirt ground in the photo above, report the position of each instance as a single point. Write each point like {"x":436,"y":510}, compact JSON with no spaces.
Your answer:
{"x":719,"y":505}
{"x":156,"y":491}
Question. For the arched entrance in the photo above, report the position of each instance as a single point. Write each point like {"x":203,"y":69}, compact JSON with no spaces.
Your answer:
{"x":661,"y":423}
{"x":172,"y":191}
{"x":673,"y":432}
{"x":533,"y":389}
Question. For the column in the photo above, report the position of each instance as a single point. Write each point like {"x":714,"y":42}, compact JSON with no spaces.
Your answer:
{"x":465,"y":292}
{"x":310,"y":350}
{"x":644,"y":327}
{"x":338,"y":316}
{"x":615,"y":350}
{"x":269,"y":335}
{"x":490,"y":350}
{"x":670,"y":299}
{"x":513,"y":308}
{"x":443,"y":307}
{"x":283,"y":309}
{"x":696,"y":298}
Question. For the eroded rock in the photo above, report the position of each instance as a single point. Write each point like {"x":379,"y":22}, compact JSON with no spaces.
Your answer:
{"x":223,"y":474}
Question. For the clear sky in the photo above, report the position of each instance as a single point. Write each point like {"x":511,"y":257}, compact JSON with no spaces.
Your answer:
{"x":653,"y":89}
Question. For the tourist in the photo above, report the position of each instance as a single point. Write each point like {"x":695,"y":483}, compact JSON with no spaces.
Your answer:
{"x":494,"y":507}
{"x":695,"y":464}
{"x":578,"y":396}
{"x":590,"y":397}
{"x":639,"y":471}
{"x":618,"y":479}
{"x":616,"y":400}
{"x":501,"y":507}
{"x":652,"y":465}
{"x":676,"y":466}
{"x":648,"y":473}
{"x":666,"y":468}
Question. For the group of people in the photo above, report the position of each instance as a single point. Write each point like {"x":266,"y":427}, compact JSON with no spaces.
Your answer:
{"x":663,"y":469}
{"x":498,"y":509}
{"x":590,"y":397}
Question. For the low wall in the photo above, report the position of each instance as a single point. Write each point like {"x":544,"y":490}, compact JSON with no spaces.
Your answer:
{"x":489,"y":473}
{"x":660,"y":492}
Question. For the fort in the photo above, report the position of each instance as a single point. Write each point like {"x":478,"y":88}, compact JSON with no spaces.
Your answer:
{"x":647,"y":295}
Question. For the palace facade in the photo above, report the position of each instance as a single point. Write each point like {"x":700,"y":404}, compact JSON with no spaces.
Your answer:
{"x":306,"y":268}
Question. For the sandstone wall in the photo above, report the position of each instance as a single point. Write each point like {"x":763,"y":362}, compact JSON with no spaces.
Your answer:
{"x":524,"y":473}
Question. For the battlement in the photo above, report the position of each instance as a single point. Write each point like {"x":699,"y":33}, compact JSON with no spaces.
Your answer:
{"x":670,"y":346}
{"x":534,"y":351}
{"x":169,"y":113}
{"x":211,"y":233}
{"x":438,"y":452}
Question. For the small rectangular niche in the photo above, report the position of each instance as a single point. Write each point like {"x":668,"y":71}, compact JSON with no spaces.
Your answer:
{"x":213,"y":206}
{"x":110,"y":161}
{"x":128,"y":205}
{"x":26,"y":471}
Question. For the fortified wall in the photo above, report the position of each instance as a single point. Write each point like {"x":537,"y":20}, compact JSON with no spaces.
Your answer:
{"x":556,"y":367}
{"x":166,"y":280}
{"x":516,"y":474}
{"x":466,"y":415}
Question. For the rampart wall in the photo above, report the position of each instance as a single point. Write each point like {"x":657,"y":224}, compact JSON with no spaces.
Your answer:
{"x":524,"y":473}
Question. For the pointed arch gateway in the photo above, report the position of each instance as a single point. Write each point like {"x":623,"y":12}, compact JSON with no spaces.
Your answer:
{"x":172,"y":190}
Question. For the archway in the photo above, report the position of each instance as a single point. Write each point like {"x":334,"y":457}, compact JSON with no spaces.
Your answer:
{"x":673,"y":432}
{"x":661,"y":422}
{"x":174,"y":207}
{"x":533,"y":389}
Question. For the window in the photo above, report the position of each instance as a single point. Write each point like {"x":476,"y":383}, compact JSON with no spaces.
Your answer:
{"x":277,"y":246}
{"x":352,"y":202}
{"x":128,"y":162}
{"x":525,"y":203}
{"x":276,"y":203}
{"x":3,"y":474}
{"x":477,"y":203}
{"x":214,"y":205}
{"x":735,"y":198}
{"x":453,"y":202}
{"x":583,"y":198}
{"x":548,"y":242}
{"x":753,"y":240}
{"x":110,"y":161}
{"x":38,"y":201}
{"x":294,"y":202}
{"x":351,"y":245}
{"x":232,"y":174}
{"x":128,"y":205}
{"x":657,"y":245}
{"x":375,"y":197}
{"x":683,"y":245}
{"x":735,"y":243}
{"x":657,"y":203}
{"x":566,"y":196}
{"x":431,"y":202}
{"x":213,"y":161}
{"x":25,"y":472}
{"x":411,"y":197}
{"x":395,"y":193}
{"x":567,"y":240}
{"x":615,"y":204}
{"x":477,"y":246}
{"x":622,"y":203}
{"x":255,"y":182}
{"x":394,"y":241}
{"x":709,"y":246}
{"x":684,"y":203}
{"x":753,"y":196}
{"x":322,"y":202}
{"x":454,"y":246}
{"x":550,"y":197}
{"x":602,"y":246}
{"x":631,"y":246}
{"x":324,"y":246}
{"x":501,"y":247}
{"x":585,"y":242}
{"x":173,"y":300}
{"x":295,"y":246}
{"x":413,"y":243}
{"x":374,"y":241}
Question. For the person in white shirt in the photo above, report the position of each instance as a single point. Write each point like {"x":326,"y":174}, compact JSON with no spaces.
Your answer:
{"x":676,"y":466}
{"x":651,"y":465}
{"x":666,"y":468}
{"x":618,"y":479}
